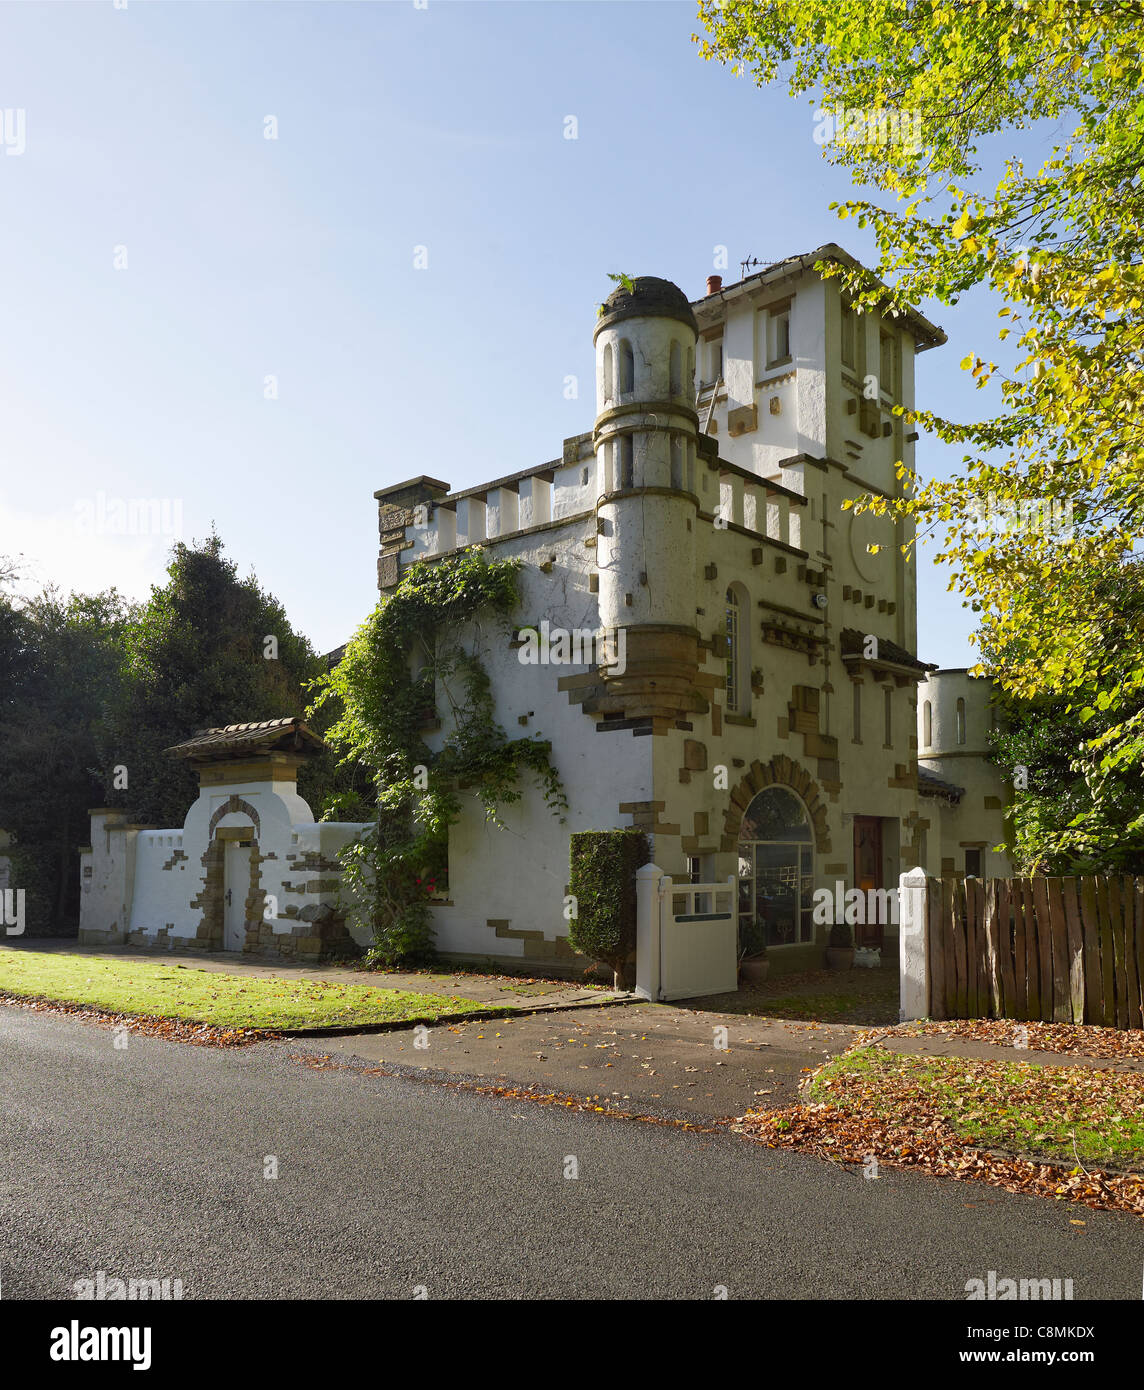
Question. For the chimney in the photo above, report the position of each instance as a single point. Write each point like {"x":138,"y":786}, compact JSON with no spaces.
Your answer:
{"x":714,"y":284}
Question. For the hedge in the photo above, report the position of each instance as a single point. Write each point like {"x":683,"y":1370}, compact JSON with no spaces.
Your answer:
{"x":603,"y":882}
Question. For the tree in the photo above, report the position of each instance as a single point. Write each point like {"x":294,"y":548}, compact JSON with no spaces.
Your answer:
{"x":1053,"y":487}
{"x":1071,"y":813}
{"x":206,"y":649}
{"x":60,"y":657}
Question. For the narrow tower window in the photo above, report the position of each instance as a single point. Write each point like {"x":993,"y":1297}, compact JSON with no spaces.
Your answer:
{"x":927,"y":724}
{"x":676,"y":462}
{"x":627,"y":367}
{"x":609,"y":379}
{"x":961,"y":721}
{"x":627,"y":462}
{"x":734,"y":691}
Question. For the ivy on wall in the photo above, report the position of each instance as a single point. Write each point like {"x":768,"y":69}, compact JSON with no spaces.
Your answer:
{"x":419,"y":645}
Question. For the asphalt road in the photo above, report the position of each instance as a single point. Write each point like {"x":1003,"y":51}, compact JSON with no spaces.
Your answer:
{"x":149,"y":1163}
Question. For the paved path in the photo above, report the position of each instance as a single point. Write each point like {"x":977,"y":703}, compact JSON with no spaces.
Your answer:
{"x":658,"y":1059}
{"x":149,"y":1163}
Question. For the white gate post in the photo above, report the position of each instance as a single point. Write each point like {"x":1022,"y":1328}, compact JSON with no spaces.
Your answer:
{"x":913,"y":965}
{"x":647,"y":931}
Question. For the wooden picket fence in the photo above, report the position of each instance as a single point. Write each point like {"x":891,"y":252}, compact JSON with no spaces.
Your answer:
{"x":1063,"y":950}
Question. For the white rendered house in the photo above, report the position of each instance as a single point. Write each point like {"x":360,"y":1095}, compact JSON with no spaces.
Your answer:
{"x":763,"y":721}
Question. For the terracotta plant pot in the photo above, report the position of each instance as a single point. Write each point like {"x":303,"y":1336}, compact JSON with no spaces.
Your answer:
{"x":839,"y":957}
{"x":754,"y":970}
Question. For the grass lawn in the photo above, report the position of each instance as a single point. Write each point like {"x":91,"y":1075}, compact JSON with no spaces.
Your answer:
{"x":175,"y":990}
{"x":1058,"y":1114}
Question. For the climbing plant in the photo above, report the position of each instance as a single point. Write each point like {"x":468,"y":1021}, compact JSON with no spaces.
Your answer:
{"x":420,"y":645}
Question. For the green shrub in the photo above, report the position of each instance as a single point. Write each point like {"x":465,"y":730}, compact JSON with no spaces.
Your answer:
{"x":752,"y":937}
{"x":840,"y":935}
{"x":603,"y":882}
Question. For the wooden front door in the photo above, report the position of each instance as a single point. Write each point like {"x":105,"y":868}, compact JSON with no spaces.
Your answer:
{"x":237,"y":886}
{"x":868,"y":874}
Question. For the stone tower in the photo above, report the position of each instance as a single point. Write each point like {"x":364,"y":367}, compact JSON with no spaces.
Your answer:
{"x":645,"y":439}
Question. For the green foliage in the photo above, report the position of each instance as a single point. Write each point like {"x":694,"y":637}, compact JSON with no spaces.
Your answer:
{"x":603,"y":882}
{"x":59,"y":657}
{"x":193,"y":659}
{"x":418,"y":645}
{"x":1062,"y":245}
{"x":1082,"y":810}
{"x":752,"y":937}
{"x":628,"y":283}
{"x":841,"y":936}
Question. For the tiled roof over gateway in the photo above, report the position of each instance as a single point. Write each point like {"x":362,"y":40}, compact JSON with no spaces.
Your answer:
{"x":234,"y":740}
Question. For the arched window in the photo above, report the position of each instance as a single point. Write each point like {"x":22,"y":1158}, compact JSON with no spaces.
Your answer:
{"x":927,"y":724}
{"x":675,"y":370}
{"x":627,"y":368}
{"x":609,"y":378}
{"x":961,"y":721}
{"x":627,"y":462}
{"x":776,"y":868}
{"x":609,"y":466}
{"x":738,"y":653}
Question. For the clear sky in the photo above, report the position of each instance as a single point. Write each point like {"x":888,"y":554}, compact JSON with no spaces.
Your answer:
{"x":293,"y":258}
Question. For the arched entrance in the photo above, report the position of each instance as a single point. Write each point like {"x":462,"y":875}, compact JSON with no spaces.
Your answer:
{"x":776,"y":868}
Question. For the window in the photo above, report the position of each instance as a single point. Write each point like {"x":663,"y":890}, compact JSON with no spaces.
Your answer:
{"x":888,"y":703}
{"x":849,"y":325}
{"x":961,"y":721}
{"x":675,"y":370}
{"x":776,"y":868}
{"x":609,"y":466}
{"x":857,"y":713}
{"x":972,"y":863}
{"x":627,"y":462}
{"x":715,"y":361}
{"x":676,"y":462}
{"x":778,"y":337}
{"x":627,"y":368}
{"x":886,"y":365}
{"x":927,"y":724}
{"x":734,"y":654}
{"x":609,"y":379}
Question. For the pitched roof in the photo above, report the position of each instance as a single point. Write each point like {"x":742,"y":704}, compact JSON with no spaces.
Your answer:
{"x":930,"y":784}
{"x":927,"y":334}
{"x":853,"y":647}
{"x":234,"y":740}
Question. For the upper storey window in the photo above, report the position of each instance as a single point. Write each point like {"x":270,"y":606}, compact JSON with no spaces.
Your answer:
{"x":778,"y":335}
{"x":609,"y":375}
{"x":849,"y":338}
{"x":675,"y":370}
{"x":961,"y":721}
{"x":713,"y":361}
{"x":627,"y":368}
{"x":887,"y":376}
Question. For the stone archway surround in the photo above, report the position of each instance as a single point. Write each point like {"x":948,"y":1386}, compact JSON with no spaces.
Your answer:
{"x":210,"y":933}
{"x":783,"y":772}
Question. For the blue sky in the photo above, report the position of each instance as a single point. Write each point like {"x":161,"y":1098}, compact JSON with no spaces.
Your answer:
{"x":293,"y":258}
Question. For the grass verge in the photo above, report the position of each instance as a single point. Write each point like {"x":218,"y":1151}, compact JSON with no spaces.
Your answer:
{"x":1068,"y":1115}
{"x":175,"y":990}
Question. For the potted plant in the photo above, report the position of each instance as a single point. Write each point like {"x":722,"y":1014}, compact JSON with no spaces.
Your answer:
{"x":753,"y":963}
{"x":840,"y":949}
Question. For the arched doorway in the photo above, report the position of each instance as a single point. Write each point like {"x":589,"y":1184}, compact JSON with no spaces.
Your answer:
{"x":776,"y":867}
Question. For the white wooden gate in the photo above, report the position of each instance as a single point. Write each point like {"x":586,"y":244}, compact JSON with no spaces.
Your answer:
{"x":686,"y":937}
